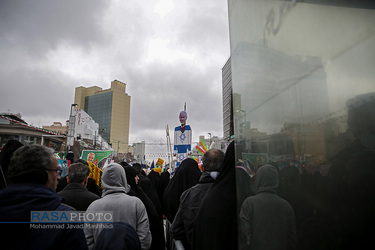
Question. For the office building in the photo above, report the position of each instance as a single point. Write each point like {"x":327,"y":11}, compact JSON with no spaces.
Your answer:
{"x":110,"y":108}
{"x":226,"y":76}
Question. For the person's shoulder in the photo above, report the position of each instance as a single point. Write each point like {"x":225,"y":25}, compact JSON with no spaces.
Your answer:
{"x":250,"y":199}
{"x":91,"y":195}
{"x":284,"y":203}
{"x":137,"y":202}
{"x":186,"y":193}
{"x":65,"y":207}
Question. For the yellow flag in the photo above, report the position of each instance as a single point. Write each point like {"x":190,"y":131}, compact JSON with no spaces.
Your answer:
{"x":96,"y":174}
{"x":160,"y":162}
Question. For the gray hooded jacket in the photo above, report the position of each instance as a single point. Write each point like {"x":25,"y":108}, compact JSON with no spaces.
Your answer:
{"x":125,"y":208}
{"x":267,"y":221}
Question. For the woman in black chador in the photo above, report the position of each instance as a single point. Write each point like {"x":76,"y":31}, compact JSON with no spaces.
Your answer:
{"x":156,"y":222}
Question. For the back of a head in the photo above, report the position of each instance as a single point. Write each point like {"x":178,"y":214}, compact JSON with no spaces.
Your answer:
{"x":28,"y":164}
{"x":7,"y":152}
{"x":123,"y":163}
{"x":213,"y":160}
{"x":114,"y":179}
{"x":267,"y":179}
{"x":70,"y":156}
{"x":138,"y":167}
{"x":78,"y":172}
{"x":82,"y":162}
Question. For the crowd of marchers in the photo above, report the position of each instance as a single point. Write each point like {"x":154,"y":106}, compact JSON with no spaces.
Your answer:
{"x":215,"y":206}
{"x":190,"y":208}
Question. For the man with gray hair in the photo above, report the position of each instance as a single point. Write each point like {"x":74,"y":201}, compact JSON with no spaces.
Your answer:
{"x":34,"y":172}
{"x":190,"y":200}
{"x":75,"y":194}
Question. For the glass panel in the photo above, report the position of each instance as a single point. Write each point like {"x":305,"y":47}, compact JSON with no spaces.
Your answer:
{"x":99,"y":107}
{"x":303,"y":76}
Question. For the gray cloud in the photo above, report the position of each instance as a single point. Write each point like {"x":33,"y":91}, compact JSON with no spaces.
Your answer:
{"x":108,"y":40}
{"x":40,"y":26}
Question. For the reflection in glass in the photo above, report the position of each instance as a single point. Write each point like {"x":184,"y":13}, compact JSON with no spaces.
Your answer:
{"x":304,"y":101}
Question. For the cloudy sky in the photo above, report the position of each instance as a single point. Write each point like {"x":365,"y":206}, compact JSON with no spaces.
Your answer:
{"x":167,"y":52}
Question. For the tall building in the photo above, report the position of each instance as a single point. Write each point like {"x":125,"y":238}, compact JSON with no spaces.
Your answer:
{"x":226,"y":76}
{"x":110,"y":108}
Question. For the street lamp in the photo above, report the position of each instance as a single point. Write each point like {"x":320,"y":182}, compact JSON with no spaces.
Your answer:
{"x":210,"y":138}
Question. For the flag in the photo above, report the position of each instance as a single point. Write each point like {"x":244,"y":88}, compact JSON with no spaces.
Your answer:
{"x":152,"y":165}
{"x":160,"y":162}
{"x":96,"y":174}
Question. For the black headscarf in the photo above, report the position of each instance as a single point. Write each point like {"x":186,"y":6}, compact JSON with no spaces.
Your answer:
{"x":154,"y":177}
{"x":164,"y":180}
{"x":243,"y":180}
{"x":186,"y":176}
{"x":156,"y":221}
{"x":216,"y":224}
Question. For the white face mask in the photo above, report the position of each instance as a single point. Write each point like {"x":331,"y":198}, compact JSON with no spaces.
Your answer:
{"x":214,"y":174}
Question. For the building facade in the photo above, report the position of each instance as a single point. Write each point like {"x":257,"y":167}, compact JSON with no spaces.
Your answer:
{"x":226,"y":76}
{"x":109,"y":108}
{"x":12,"y":127}
{"x":58,"y":127}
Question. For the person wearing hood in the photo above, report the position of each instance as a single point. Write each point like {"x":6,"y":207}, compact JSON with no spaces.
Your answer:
{"x":266,"y":220}
{"x":125,"y":208}
{"x":33,"y":175}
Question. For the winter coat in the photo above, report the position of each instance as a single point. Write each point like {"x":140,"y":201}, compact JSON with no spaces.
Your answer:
{"x":155,"y":221}
{"x":267,"y":221}
{"x":77,"y":196}
{"x":125,"y":208}
{"x":186,"y":176}
{"x":190,"y":202}
{"x":121,"y":236}
{"x":151,"y":192}
{"x":16,"y":203}
{"x":215,"y":226}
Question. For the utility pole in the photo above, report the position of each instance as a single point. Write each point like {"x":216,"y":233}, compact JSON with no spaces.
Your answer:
{"x":101,"y":144}
{"x":70,"y":139}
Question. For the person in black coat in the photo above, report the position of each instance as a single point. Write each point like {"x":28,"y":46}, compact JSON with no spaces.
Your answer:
{"x":156,"y":221}
{"x":33,"y":173}
{"x":191,"y":199}
{"x":267,"y":221}
{"x":186,"y":176}
{"x":148,"y":188}
{"x":215,"y":226}
{"x":75,"y":194}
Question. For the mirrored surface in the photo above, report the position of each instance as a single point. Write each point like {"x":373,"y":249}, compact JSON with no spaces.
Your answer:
{"x":303,"y":79}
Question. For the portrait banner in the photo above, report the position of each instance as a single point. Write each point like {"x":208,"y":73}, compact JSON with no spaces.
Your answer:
{"x":96,"y":156}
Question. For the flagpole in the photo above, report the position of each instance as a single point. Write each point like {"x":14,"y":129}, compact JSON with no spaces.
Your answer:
{"x":167,"y":135}
{"x":170,"y":149}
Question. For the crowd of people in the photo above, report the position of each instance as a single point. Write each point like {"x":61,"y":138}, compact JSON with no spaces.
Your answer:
{"x":217,"y":206}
